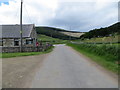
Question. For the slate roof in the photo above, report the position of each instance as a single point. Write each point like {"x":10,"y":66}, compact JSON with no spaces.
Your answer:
{"x":13,"y":31}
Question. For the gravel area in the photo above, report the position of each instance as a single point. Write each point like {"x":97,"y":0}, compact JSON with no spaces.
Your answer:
{"x":17,"y":71}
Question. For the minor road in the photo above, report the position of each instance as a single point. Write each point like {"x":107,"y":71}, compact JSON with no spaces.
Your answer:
{"x":65,"y":68}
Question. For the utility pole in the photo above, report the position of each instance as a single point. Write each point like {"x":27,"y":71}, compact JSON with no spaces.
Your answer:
{"x":21,"y":26}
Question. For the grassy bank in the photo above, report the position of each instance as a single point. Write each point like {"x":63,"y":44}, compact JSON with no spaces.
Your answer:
{"x":105,"y":55}
{"x":110,"y":39}
{"x":10,"y":55}
{"x":52,"y":40}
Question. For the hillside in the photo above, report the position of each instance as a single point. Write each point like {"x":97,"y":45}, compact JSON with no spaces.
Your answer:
{"x":45,"y":39}
{"x":73,"y":34}
{"x":58,"y":33}
{"x":103,"y":32}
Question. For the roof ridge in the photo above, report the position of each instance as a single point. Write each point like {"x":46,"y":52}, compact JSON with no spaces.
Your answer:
{"x":14,"y":30}
{"x":14,"y":24}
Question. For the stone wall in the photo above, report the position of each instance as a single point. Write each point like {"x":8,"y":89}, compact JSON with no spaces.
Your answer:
{"x":25,"y":49}
{"x":10,"y":42}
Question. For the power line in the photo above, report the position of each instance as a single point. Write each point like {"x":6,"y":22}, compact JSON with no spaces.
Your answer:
{"x":16,"y":14}
{"x":27,"y":14}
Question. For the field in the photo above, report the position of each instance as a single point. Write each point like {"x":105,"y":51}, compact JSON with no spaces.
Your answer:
{"x":45,"y":38}
{"x":112,"y":39}
{"x":105,"y":55}
{"x":73,"y":34}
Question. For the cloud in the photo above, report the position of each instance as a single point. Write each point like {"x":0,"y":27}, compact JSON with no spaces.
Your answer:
{"x":68,"y":14}
{"x":85,"y":16}
{"x":34,"y":11}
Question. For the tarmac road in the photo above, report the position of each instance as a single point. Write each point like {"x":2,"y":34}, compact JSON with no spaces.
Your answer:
{"x":65,"y":68}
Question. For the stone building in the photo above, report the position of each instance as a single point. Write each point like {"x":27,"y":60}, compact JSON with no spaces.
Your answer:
{"x":11,"y":35}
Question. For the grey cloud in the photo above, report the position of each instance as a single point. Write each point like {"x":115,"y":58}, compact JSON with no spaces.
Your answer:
{"x":82,"y":16}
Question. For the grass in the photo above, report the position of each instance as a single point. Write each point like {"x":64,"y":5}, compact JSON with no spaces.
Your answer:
{"x":110,"y":39}
{"x":45,"y":38}
{"x":106,"y":60}
{"x":10,"y":55}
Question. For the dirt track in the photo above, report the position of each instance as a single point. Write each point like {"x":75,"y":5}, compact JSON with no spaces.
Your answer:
{"x":17,"y":71}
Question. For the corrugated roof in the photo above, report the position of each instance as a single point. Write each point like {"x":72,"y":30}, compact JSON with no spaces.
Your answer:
{"x":13,"y":31}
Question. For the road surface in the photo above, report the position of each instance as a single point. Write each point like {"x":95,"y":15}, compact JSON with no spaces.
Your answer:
{"x":65,"y":68}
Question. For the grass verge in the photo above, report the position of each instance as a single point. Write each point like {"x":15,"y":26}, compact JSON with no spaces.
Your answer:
{"x":10,"y":55}
{"x":104,"y":60}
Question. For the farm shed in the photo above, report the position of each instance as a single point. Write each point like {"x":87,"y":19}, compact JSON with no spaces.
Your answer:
{"x":11,"y":35}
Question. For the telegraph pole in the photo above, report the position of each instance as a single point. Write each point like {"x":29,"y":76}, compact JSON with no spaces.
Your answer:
{"x":21,"y":26}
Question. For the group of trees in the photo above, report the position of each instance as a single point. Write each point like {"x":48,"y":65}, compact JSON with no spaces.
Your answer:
{"x":102,"y":32}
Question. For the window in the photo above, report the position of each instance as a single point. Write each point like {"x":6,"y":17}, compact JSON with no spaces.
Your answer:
{"x":16,"y":42}
{"x":30,"y":41}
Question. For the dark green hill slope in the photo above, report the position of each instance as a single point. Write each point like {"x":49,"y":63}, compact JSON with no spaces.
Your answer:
{"x":55,"y":33}
{"x":103,"y":32}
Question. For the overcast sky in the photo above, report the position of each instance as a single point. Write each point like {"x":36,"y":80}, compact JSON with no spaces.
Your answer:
{"x":76,"y":15}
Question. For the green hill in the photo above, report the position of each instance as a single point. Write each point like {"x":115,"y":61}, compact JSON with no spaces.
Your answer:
{"x":45,"y":38}
{"x":57,"y":33}
{"x":112,"y":30}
